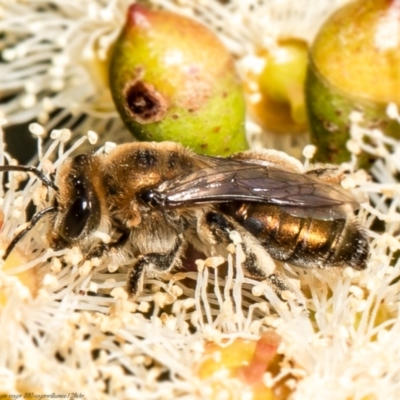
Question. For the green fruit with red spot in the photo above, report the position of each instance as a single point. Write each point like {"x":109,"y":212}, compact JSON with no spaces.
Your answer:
{"x":172,"y":79}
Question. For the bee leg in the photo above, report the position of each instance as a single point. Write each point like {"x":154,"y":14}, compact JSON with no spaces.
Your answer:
{"x":135,"y":279}
{"x":153,"y":263}
{"x":258,"y":264}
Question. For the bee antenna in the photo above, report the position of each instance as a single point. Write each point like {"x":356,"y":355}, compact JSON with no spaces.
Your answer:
{"x":29,"y":168}
{"x":35,"y":219}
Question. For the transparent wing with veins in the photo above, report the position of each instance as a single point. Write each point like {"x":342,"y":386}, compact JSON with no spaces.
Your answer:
{"x":233,"y":180}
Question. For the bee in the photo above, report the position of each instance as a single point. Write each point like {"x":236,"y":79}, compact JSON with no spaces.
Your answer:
{"x":154,"y":201}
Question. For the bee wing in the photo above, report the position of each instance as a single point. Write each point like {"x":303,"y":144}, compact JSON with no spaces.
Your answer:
{"x":298,"y":194}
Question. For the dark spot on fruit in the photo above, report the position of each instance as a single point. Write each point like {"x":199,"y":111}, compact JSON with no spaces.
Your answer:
{"x":333,"y":148}
{"x":330,"y":126}
{"x":143,"y":103}
{"x":204,"y":146}
{"x":227,"y":149}
{"x":216,"y":129}
{"x":174,"y":116}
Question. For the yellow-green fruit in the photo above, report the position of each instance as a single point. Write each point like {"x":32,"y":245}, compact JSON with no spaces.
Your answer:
{"x":172,"y":79}
{"x":280,"y":106}
{"x":354,"y":65}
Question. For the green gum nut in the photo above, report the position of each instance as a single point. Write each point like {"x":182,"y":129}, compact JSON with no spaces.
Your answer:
{"x":354,"y":66}
{"x":172,"y":79}
{"x":281,"y":107}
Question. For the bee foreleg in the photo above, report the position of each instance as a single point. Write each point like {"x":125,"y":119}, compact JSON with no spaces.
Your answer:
{"x":258,"y":264}
{"x":153,"y":263}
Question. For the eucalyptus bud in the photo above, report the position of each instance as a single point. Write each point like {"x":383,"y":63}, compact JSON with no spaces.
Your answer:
{"x":354,"y":66}
{"x":172,"y":79}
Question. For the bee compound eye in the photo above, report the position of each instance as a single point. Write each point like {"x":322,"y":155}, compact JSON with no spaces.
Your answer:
{"x":76,"y":218}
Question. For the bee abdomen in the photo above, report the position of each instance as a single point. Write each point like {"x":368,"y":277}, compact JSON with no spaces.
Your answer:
{"x":353,"y":247}
{"x":337,"y":243}
{"x":305,"y":242}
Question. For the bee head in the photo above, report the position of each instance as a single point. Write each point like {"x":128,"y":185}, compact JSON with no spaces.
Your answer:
{"x":77,"y":201}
